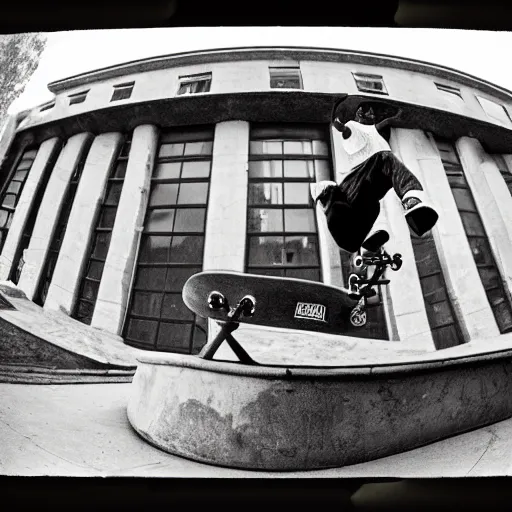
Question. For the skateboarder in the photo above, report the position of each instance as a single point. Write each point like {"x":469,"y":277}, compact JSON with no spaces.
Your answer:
{"x":352,"y":207}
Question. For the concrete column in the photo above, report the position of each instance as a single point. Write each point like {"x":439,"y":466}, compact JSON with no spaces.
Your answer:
{"x":63,"y":289}
{"x":225,"y":236}
{"x":114,"y":289}
{"x":404,"y":290}
{"x":492,"y":199}
{"x":44,"y":157}
{"x":461,"y":276}
{"x":49,"y":211}
{"x":330,"y":260}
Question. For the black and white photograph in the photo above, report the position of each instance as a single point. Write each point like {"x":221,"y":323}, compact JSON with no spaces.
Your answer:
{"x":256,"y":252}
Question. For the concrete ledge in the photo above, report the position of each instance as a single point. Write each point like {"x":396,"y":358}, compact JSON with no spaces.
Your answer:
{"x":280,"y":419}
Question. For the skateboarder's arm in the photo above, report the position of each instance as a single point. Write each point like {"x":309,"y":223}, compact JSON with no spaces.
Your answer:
{"x":341,"y":127}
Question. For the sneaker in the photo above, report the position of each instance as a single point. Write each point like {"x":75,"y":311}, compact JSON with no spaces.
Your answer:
{"x":420,"y":216}
{"x":319,"y":189}
{"x":375,"y":240}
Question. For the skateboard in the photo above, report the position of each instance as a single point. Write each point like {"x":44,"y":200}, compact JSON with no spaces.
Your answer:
{"x":362,"y":287}
{"x":346,"y":106}
{"x":231,"y":298}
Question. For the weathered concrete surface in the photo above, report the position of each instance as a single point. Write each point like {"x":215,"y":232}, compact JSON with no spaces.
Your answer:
{"x":225,"y":233}
{"x":33,"y":335}
{"x":294,"y":419}
{"x":94,"y":438}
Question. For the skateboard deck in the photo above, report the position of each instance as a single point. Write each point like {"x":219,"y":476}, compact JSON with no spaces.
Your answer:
{"x":346,"y":107}
{"x":278,"y":302}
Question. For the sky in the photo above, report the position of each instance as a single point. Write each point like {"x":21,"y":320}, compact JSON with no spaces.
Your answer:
{"x":479,"y":53}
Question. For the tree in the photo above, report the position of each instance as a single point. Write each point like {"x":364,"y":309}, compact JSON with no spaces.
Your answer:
{"x":19,"y":58}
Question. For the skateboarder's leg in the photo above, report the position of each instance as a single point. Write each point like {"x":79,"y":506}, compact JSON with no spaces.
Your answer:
{"x":348,"y":224}
{"x":388,"y":171}
{"x":420,"y":215}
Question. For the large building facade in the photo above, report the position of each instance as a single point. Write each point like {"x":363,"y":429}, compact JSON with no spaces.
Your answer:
{"x":137,"y":176}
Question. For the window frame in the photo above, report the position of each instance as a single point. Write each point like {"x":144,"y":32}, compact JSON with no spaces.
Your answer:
{"x":3,"y":192}
{"x":449,"y":89}
{"x":283,"y":267}
{"x":119,"y":89}
{"x":276,"y":71}
{"x":482,"y":100}
{"x":183,"y":136}
{"x":194,"y":79}
{"x":360,"y":78}
{"x":78,"y":97}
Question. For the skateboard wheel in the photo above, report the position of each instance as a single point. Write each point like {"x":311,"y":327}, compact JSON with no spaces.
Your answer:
{"x":396,"y":262}
{"x":248,"y":305}
{"x":353,"y":283}
{"x":216,"y":301}
{"x":358,"y":261}
{"x":358,"y":318}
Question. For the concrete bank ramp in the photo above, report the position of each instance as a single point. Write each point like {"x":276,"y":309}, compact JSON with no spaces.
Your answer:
{"x":44,"y":346}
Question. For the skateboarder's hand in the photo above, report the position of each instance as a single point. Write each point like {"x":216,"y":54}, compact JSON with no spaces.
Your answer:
{"x":341,"y":127}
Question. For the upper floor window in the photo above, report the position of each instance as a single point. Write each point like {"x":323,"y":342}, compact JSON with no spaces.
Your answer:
{"x":47,"y":106}
{"x":78,"y":97}
{"x":194,"y":84}
{"x":495,"y":110}
{"x":370,"y":83}
{"x":449,"y":89}
{"x":122,"y":91}
{"x":285,"y":78}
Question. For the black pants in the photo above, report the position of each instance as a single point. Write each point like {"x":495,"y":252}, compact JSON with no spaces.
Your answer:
{"x":353,"y":206}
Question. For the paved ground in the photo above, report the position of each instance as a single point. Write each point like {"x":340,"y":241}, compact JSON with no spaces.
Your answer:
{"x":82,"y":430}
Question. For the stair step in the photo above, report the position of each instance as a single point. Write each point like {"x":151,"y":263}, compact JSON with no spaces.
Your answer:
{"x":17,"y":374}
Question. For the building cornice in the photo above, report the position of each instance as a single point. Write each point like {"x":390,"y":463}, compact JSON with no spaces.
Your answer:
{"x":276,"y":53}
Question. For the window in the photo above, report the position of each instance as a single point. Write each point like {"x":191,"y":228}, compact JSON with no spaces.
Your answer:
{"x":12,"y":192}
{"x":443,"y":323}
{"x":195,"y":84}
{"x":18,"y":262}
{"x":79,"y":97}
{"x":503,"y":168}
{"x":171,"y":246}
{"x":122,"y":91}
{"x":449,"y":89}
{"x":370,"y":83}
{"x":494,"y":110}
{"x":282,"y":237}
{"x":477,"y":236}
{"x":60,"y":231}
{"x":100,"y":242}
{"x":285,"y":78}
{"x":48,"y":106}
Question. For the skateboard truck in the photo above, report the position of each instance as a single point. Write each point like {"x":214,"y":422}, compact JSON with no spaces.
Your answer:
{"x":362,"y":289}
{"x":245,"y":307}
